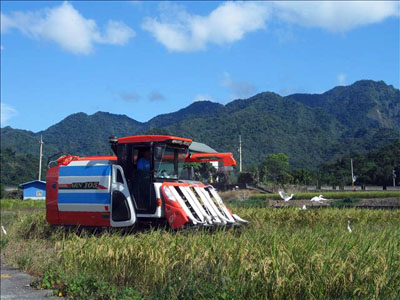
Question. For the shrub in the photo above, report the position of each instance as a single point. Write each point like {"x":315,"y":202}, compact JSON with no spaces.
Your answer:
{"x":346,"y":202}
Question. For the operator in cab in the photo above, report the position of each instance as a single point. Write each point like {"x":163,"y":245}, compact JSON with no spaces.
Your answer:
{"x":143,"y":162}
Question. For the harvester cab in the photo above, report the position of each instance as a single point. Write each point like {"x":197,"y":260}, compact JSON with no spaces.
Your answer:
{"x":141,"y":183}
{"x":148,"y":161}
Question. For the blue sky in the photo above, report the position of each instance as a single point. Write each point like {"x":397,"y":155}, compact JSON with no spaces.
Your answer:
{"x":144,"y":59}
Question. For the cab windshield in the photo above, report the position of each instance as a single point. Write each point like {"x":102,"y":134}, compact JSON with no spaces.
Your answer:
{"x":169,"y":163}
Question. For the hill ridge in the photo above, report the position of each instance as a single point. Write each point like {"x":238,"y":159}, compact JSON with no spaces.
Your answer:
{"x":310,"y":128}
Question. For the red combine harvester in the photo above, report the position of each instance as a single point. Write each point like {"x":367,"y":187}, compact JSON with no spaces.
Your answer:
{"x":141,"y":184}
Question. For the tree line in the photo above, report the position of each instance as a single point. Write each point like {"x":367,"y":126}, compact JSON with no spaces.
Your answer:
{"x":373,"y":168}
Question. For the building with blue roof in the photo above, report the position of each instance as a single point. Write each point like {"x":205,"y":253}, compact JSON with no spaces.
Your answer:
{"x":35,"y":189}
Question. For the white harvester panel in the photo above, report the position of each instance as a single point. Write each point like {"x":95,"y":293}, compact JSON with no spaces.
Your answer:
{"x":203,"y":205}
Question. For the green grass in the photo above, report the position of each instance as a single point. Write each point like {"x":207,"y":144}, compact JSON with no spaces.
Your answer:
{"x":18,"y":204}
{"x":346,"y":202}
{"x":15,"y":211}
{"x":251,"y":202}
{"x":283,"y":254}
{"x":332,"y":195}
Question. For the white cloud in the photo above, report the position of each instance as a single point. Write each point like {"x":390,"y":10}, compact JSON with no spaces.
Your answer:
{"x":65,"y":26}
{"x":180,"y":31}
{"x":341,"y":78}
{"x":6,"y":23}
{"x":238,"y":89}
{"x":116,"y":33}
{"x":7,"y":112}
{"x":335,"y":16}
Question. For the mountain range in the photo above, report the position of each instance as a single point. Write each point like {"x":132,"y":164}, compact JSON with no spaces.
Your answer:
{"x":309,"y":128}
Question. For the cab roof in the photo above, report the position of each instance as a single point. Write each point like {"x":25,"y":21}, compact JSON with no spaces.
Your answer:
{"x":154,"y":138}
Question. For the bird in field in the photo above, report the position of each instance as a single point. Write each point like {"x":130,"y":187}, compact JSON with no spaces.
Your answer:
{"x":318,"y":198}
{"x":3,"y":229}
{"x":304,"y":207}
{"x":285,"y":196}
{"x":348,"y":226}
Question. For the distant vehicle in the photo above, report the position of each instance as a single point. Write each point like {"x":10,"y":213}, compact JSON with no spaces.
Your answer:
{"x":142,"y":183}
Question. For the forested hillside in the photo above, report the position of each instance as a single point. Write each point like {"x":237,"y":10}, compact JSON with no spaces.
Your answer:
{"x":309,"y":129}
{"x":364,"y":104}
{"x":196,"y":110}
{"x":268,"y":123}
{"x":17,"y":168}
{"x":374,"y":167}
{"x":88,"y":135}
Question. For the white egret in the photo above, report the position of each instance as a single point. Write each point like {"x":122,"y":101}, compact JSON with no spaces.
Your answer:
{"x":318,"y":198}
{"x":304,"y":207}
{"x":348,"y":226}
{"x":315,"y":199}
{"x":285,"y":196}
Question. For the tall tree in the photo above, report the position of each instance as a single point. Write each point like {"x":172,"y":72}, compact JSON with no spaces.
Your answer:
{"x":276,"y":169}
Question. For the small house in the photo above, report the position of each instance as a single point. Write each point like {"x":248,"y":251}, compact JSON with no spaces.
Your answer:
{"x":35,"y":189}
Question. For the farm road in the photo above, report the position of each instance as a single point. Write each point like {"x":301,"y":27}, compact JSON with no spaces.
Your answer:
{"x":15,"y":285}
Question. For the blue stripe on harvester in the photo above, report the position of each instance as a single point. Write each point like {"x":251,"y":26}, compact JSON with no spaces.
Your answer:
{"x":85,"y":171}
{"x":82,"y":198}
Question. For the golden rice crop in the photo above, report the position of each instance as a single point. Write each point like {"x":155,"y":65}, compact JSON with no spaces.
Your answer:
{"x":284,"y":253}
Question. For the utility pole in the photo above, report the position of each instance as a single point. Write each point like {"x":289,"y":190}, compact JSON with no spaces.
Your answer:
{"x":40,"y":158}
{"x":352,"y":174}
{"x":240,"y":153}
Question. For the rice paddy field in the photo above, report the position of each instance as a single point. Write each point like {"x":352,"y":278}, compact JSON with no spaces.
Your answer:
{"x":332,"y":195}
{"x":283,"y":254}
